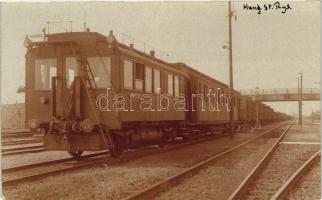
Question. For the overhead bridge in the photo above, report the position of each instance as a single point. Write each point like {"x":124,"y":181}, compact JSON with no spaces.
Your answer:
{"x":283,"y":94}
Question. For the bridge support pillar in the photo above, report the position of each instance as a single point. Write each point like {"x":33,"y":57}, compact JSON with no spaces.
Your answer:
{"x":257,"y":126}
{"x":300,"y":113}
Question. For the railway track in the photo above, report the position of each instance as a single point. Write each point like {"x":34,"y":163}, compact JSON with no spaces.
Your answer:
{"x":155,"y":190}
{"x":17,"y":134}
{"x":21,"y":142}
{"x":274,"y":174}
{"x":36,"y":171}
{"x":33,"y":172}
{"x":22,"y":150}
{"x":285,"y":189}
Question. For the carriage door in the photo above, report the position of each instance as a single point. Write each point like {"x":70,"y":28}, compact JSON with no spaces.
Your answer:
{"x":71,"y":72}
{"x":67,"y":70}
{"x":71,"y":66}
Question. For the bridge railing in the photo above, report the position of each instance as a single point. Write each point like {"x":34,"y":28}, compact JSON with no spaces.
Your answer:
{"x":278,"y":91}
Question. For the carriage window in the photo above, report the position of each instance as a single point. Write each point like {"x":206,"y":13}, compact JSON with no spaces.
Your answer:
{"x":101,"y":69}
{"x":170,"y":84}
{"x":148,"y":79}
{"x":219,"y":92}
{"x":71,"y":70}
{"x":139,"y":76}
{"x":176,"y":86}
{"x":44,"y":70}
{"x":128,"y":74}
{"x":205,"y":90}
{"x":212,"y":96}
{"x":222,"y":98}
{"x":157,"y":81}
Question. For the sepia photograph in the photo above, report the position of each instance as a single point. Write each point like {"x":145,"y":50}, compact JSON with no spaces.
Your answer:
{"x":165,"y":100}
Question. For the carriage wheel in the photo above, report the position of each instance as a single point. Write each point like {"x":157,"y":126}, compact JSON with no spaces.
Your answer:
{"x":116,"y":152}
{"x":76,"y":154}
{"x":162,"y":143}
{"x":187,"y":138}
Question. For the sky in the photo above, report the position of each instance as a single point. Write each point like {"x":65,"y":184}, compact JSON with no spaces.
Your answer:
{"x":269,"y":50}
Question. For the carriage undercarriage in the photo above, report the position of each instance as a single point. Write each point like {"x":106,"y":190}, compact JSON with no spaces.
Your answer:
{"x":133,"y":135}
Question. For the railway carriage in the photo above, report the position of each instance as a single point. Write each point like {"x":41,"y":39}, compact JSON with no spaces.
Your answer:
{"x":94,"y":88}
{"x":90,"y":92}
{"x":245,"y":113}
{"x":207,"y":95}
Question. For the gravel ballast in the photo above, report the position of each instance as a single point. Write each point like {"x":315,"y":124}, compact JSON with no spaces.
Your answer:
{"x":115,"y":182}
{"x":284,"y":162}
{"x":309,"y":186}
{"x":219,"y":180}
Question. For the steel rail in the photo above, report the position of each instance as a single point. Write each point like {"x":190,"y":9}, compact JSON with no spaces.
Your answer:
{"x":151,"y":191}
{"x":112,"y":161}
{"x":238,"y":193}
{"x":22,"y":150}
{"x":17,"y":131}
{"x":48,"y":163}
{"x":11,"y":153}
{"x":50,"y":173}
{"x":21,"y":135}
{"x":13,"y":169}
{"x":287,"y":186}
{"x":19,"y":142}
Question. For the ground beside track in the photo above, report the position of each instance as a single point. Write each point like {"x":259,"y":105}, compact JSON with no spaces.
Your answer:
{"x":309,"y":186}
{"x":301,"y":142}
{"x":307,"y":133}
{"x":285,"y":161}
{"x":220,"y":179}
{"x":115,"y":182}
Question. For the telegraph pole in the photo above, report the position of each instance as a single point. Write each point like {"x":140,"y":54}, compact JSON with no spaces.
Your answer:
{"x":257,"y":126}
{"x":299,"y":101}
{"x":301,"y":104}
{"x":231,"y":81}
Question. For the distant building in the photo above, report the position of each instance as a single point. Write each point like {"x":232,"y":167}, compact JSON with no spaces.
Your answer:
{"x":13,"y":116}
{"x":315,"y":115}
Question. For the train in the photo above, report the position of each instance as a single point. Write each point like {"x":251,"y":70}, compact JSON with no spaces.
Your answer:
{"x":90,"y":92}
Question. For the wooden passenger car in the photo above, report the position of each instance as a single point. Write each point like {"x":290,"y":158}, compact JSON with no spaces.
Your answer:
{"x":90,"y":92}
{"x":209,"y":99}
{"x":247,"y":106}
{"x":59,"y":72}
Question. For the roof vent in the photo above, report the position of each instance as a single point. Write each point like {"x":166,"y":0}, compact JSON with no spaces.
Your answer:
{"x":152,"y":53}
{"x":111,"y":38}
{"x":132,"y":46}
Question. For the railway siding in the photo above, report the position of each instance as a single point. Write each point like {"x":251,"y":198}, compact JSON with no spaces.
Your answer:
{"x":276,"y":170}
{"x":118,"y":181}
{"x":215,"y":181}
{"x":285,"y":161}
{"x":309,"y":186}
